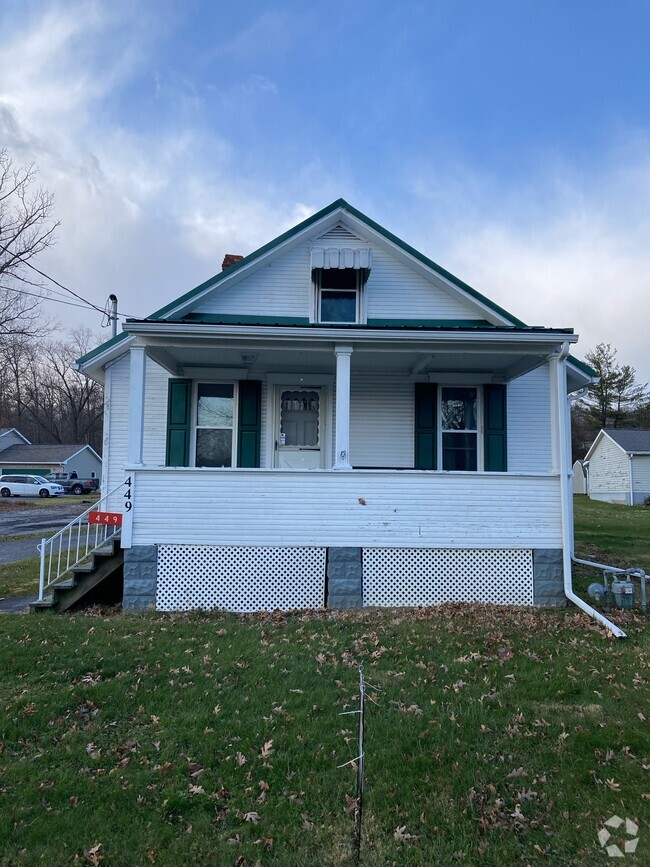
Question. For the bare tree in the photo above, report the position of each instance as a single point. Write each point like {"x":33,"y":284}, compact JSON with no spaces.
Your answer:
{"x":26,"y":229}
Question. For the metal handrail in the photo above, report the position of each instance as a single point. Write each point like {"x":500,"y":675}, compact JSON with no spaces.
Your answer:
{"x":66,"y":549}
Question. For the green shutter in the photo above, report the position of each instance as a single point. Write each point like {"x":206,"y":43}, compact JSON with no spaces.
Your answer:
{"x":179,"y":406}
{"x":250,"y":423}
{"x":495,"y":436}
{"x":426,"y":423}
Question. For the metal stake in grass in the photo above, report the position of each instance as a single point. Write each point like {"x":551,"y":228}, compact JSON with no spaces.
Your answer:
{"x":359,"y":761}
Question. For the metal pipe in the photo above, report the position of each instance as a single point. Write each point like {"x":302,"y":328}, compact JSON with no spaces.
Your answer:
{"x":113,"y":316}
{"x":559,"y":364}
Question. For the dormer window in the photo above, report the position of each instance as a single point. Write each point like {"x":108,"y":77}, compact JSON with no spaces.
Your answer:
{"x":338,"y":294}
{"x":339,"y":276}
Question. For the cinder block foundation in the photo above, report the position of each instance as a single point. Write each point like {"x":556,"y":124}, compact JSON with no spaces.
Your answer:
{"x":140,"y":577}
{"x":344,"y":578}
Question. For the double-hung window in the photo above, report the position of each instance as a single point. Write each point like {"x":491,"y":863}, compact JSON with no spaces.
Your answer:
{"x":215,"y":421}
{"x":460,"y":427}
{"x":338,"y":295}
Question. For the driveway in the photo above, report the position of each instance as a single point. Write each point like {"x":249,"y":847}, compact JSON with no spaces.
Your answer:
{"x":44,"y":520}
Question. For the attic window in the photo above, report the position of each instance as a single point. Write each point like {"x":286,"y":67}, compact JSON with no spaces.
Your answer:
{"x":338,"y":294}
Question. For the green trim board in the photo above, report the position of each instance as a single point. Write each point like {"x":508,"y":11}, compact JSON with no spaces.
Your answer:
{"x":102,"y":348}
{"x":581,"y":365}
{"x":237,"y":319}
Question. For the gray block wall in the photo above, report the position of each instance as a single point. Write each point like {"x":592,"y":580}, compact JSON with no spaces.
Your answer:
{"x":140,"y":577}
{"x":548,"y":577}
{"x":344,"y":578}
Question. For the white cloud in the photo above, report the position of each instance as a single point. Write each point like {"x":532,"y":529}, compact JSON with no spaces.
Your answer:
{"x":568,"y":248}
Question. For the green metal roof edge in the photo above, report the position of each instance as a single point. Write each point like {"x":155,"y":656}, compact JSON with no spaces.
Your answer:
{"x":235,"y":319}
{"x":102,"y":348}
{"x":581,"y":365}
{"x":339,"y":203}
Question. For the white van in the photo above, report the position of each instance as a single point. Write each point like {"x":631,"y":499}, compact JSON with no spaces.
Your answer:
{"x":28,"y":486}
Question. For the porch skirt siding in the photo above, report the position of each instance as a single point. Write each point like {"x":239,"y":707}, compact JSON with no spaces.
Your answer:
{"x":358,"y":509}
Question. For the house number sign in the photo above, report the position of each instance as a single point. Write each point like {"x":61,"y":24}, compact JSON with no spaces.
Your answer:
{"x":128,"y":496}
{"x":112,"y":519}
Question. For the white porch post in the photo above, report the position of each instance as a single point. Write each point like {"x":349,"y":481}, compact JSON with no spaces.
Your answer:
{"x":136,"y":406}
{"x":343,"y":359}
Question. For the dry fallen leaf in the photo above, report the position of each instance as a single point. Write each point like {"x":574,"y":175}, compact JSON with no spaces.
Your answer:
{"x":400,"y":833}
{"x":93,"y":855}
{"x":267,"y":749}
{"x":240,"y":758}
{"x":251,"y":817}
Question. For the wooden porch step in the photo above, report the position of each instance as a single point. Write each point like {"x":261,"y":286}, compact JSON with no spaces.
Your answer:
{"x":105,"y":563}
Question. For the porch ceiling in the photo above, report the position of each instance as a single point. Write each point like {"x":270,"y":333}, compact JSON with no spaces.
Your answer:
{"x":250,"y":358}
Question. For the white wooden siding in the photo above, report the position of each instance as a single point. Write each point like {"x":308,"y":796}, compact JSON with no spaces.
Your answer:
{"x":118,"y":423}
{"x":381,"y":420}
{"x":155,"y":414}
{"x":282,"y":288}
{"x":394,"y":291}
{"x":399,"y":509}
{"x":641,"y":477}
{"x":529,"y":423}
{"x":609,"y":473}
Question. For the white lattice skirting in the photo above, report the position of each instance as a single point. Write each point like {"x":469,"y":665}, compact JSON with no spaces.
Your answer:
{"x":239,"y":578}
{"x":428,"y":576}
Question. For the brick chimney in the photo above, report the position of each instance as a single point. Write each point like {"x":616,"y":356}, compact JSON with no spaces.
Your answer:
{"x":230,"y":259}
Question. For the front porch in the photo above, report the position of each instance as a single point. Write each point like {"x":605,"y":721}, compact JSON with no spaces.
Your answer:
{"x":254,"y":539}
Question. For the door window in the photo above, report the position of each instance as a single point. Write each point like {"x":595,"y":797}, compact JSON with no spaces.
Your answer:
{"x":299,"y":416}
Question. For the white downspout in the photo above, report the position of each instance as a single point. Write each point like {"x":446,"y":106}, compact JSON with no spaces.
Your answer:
{"x":558,"y":367}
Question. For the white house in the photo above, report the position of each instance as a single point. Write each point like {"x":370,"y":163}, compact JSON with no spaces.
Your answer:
{"x":335,"y":419}
{"x":619,"y":466}
{"x":18,"y":455}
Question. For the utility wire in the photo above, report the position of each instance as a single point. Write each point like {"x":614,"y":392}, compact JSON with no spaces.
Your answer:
{"x":46,"y":298}
{"x":51,"y":279}
{"x":87,"y":303}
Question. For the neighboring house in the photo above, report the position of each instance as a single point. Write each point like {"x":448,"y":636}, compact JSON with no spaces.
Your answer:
{"x":18,"y":455}
{"x":335,"y":419}
{"x":619,"y":466}
{"x":579,"y":477}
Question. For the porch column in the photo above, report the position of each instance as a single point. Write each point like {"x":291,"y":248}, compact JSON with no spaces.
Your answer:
{"x":136,"y":405}
{"x":343,"y":354}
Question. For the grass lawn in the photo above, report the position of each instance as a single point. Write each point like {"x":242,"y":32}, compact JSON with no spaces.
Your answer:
{"x":16,"y":504}
{"x":19,"y":579}
{"x":500,"y":735}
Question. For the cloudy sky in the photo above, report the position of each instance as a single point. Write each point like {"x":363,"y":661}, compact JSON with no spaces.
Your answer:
{"x":509,"y":141}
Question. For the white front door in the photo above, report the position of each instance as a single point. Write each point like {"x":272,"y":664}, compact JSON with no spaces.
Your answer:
{"x":298,"y":428}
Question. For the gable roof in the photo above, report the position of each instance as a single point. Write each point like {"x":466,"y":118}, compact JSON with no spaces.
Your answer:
{"x":340,"y":207}
{"x":47,"y":454}
{"x":632,"y":440}
{"x":7,"y":430}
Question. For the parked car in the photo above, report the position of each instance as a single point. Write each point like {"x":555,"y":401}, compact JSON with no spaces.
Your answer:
{"x":72,"y":484}
{"x":29,"y":486}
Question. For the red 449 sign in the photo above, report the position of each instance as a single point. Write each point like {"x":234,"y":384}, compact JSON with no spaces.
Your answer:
{"x":114,"y":519}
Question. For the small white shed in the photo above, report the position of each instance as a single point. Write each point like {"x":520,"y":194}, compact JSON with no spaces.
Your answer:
{"x":619,"y":466}
{"x":579,"y":477}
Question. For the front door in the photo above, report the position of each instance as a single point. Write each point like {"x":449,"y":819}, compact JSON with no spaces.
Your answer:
{"x":298,"y":429}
